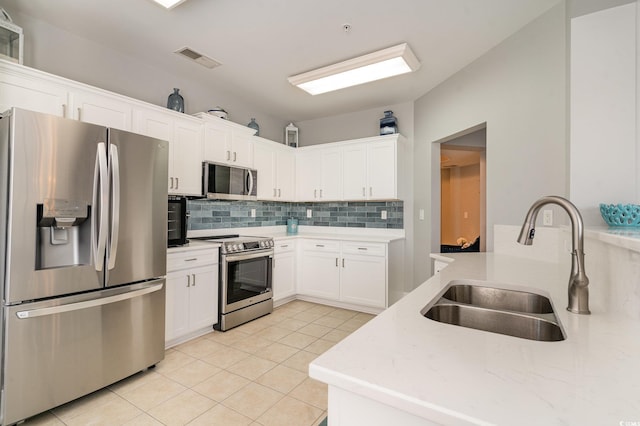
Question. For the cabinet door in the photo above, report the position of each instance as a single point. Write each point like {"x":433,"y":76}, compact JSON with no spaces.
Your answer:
{"x":177,"y":305}
{"x":264,"y":163}
{"x":319,"y":274}
{"x":307,"y":176}
{"x":203,"y":297}
{"x":363,"y":280}
{"x":284,"y":272}
{"x":354,"y":172}
{"x":186,"y":158}
{"x":32,"y":94}
{"x":102,"y":109}
{"x":331,"y":175}
{"x":285,"y":175}
{"x":217,"y":144}
{"x":152,"y":123}
{"x":381,"y":170}
{"x":241,"y":150}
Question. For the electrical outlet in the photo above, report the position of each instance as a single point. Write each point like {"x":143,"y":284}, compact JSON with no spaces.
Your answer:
{"x":383,"y":215}
{"x":547,"y":217}
{"x":421,"y":214}
{"x":308,"y":212}
{"x":253,"y":212}
{"x":466,"y":215}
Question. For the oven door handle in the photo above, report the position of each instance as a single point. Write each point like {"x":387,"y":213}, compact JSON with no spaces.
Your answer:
{"x":253,"y":255}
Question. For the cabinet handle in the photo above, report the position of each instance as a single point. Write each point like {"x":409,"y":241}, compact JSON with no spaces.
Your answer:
{"x":362,"y":248}
{"x":343,"y":262}
{"x":274,"y":192}
{"x":228,"y":155}
{"x":364,"y":194}
{"x":194,"y":279}
{"x":64,"y":110}
{"x":370,"y":192}
{"x":315,"y":193}
{"x":191,"y":260}
{"x":79,"y":114}
{"x":336,"y":262}
{"x":279,"y":193}
{"x":177,"y":183}
{"x":235,"y":155}
{"x":321,"y":193}
{"x":319,"y":245}
{"x":188,"y":280}
{"x":273,"y":263}
{"x":171,"y":186}
{"x":284,"y":245}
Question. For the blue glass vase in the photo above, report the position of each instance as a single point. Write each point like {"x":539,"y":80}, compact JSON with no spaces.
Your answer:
{"x":254,"y":126}
{"x":175,"y":101}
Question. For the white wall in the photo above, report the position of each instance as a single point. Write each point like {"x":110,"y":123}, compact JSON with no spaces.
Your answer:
{"x":519,"y":90}
{"x":59,"y":52}
{"x":603,"y":110}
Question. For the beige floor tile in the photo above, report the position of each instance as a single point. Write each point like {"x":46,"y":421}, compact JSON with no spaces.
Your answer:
{"x":173,"y":360}
{"x":342,"y":314}
{"x":45,"y":419}
{"x":300,"y":361}
{"x":307,"y":316}
{"x":297,"y":340}
{"x":251,"y":344}
{"x":114,"y":412}
{"x":320,"y":346}
{"x":137,"y":380}
{"x":290,"y":411}
{"x":336,"y":335}
{"x":253,"y":327}
{"x":227,"y":337}
{"x":86,"y":403}
{"x":364,"y":316}
{"x":253,"y":400}
{"x":252,"y":367}
{"x":193,"y":373}
{"x":292,"y":324}
{"x":281,"y":378}
{"x":200,"y":347}
{"x":153,"y":393}
{"x":274,"y":333}
{"x":312,"y":392}
{"x":299,"y":305}
{"x":222,"y":385}
{"x":182,"y":408}
{"x":143,"y":420}
{"x":225,"y":357}
{"x":315,"y":330}
{"x":351,"y":325}
{"x":223,"y":416}
{"x":321,"y":309}
{"x":277,"y":352}
{"x":328,"y":321}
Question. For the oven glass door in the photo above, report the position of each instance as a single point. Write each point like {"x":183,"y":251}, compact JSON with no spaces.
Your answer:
{"x":246,"y":280}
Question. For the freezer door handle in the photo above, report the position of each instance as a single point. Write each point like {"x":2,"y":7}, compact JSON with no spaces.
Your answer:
{"x":76,"y":306}
{"x":114,"y":160}
{"x":99,"y":216}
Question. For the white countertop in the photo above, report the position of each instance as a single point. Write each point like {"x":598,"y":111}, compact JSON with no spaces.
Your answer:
{"x":455,"y":375}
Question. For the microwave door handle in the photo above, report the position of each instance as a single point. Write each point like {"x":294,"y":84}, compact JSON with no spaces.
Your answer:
{"x":99,"y":216}
{"x":250,"y":182}
{"x":114,"y":160}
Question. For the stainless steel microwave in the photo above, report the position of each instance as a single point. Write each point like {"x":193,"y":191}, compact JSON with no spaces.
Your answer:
{"x":223,"y":182}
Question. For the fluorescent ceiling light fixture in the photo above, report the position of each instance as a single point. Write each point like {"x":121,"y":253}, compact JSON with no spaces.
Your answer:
{"x":384,"y":63}
{"x":169,"y":4}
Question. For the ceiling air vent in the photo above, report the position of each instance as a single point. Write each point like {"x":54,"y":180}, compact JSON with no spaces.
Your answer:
{"x":191,"y":54}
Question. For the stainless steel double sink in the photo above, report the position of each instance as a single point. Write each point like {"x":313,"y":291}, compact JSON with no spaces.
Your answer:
{"x":484,"y":306}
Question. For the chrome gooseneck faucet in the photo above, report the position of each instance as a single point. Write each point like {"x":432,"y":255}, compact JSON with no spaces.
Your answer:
{"x":578,"y":281}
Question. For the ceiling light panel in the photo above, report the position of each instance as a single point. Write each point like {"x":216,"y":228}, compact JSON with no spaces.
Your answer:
{"x":373,"y":66}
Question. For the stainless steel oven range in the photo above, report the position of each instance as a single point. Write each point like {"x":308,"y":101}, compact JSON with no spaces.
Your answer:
{"x":245,"y":279}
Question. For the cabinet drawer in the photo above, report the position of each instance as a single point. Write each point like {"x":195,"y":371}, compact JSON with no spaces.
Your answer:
{"x":372,"y":249}
{"x":284,"y":246}
{"x":190,"y":259}
{"x":321,"y":245}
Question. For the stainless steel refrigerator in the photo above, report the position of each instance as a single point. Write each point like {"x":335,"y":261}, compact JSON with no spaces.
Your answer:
{"x":83,"y":237}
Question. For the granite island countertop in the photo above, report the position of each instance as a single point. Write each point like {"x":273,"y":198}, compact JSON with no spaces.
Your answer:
{"x":454,"y":375}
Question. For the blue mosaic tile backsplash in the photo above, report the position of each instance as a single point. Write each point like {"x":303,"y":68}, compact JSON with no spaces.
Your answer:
{"x":206,"y":214}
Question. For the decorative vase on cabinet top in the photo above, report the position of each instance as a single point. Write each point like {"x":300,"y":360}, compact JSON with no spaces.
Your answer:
{"x":175,"y":101}
{"x":254,"y":126}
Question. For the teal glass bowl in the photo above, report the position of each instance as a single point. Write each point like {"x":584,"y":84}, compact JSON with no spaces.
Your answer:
{"x":621,"y":214}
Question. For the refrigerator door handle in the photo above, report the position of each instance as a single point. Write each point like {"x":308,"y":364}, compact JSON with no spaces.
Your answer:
{"x":88,"y":303}
{"x":99,"y":218}
{"x":114,"y":161}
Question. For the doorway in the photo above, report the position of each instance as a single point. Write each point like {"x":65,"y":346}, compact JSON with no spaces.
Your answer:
{"x":463,"y":192}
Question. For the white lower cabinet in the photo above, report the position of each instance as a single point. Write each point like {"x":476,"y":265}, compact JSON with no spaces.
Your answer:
{"x":284,"y":270}
{"x":192,"y":294}
{"x":353,"y":273}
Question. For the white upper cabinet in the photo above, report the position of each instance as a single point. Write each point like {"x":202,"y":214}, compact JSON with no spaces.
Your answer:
{"x":227,"y":142}
{"x":371,"y":170}
{"x":319,"y":175}
{"x":99,"y":108}
{"x":31,"y":92}
{"x":184,"y":135}
{"x":275,"y":164}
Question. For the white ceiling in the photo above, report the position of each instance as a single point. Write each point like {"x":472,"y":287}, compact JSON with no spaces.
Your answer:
{"x":262,"y":42}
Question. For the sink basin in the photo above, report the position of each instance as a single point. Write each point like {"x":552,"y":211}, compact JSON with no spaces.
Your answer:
{"x":497,"y":310}
{"x":496,"y":321}
{"x":498,"y":298}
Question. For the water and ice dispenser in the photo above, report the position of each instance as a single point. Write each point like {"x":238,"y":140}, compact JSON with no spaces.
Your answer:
{"x":64,"y":234}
